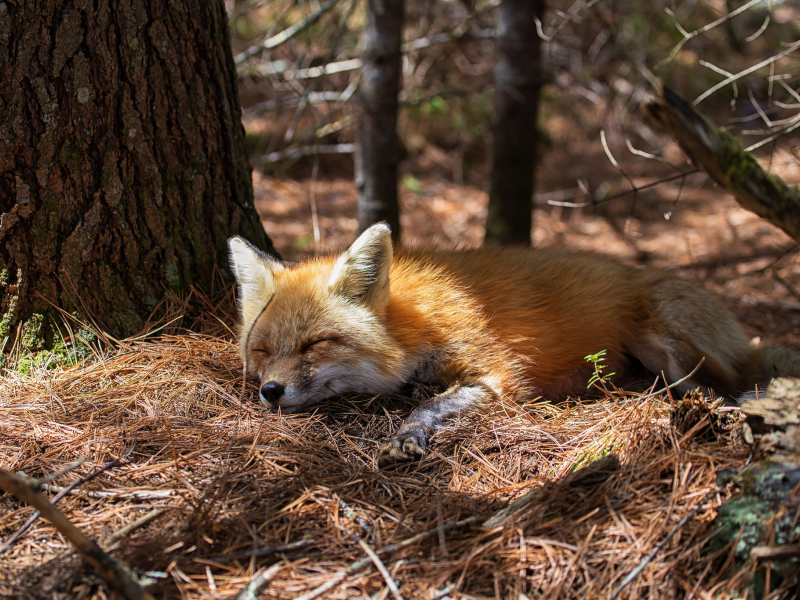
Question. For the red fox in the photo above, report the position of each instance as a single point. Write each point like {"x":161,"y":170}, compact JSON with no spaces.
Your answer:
{"x":481,"y":323}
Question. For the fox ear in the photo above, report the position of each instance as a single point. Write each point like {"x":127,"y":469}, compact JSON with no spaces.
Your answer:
{"x":362,"y":272}
{"x":255,"y":273}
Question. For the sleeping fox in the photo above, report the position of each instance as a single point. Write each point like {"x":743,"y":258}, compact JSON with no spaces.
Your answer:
{"x":481,"y":324}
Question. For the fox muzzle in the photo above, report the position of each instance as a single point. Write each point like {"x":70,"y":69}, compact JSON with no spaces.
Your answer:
{"x":271,"y":393}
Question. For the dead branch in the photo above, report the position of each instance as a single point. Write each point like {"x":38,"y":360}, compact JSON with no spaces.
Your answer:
{"x":107,"y":494}
{"x":27,"y":525}
{"x":781,"y":552}
{"x":719,"y":154}
{"x":265,"y":551}
{"x":258,"y":584}
{"x":298,"y":151}
{"x":117,"y":575}
{"x":286,"y":34}
{"x":376,"y":560}
{"x":387,"y":577}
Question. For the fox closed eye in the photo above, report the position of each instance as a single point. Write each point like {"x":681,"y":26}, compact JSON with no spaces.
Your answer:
{"x":319,"y":344}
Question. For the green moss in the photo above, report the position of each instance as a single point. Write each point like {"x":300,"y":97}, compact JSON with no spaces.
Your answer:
{"x":64,"y":349}
{"x":33,"y":335}
{"x":743,"y":168}
{"x":753,"y":517}
{"x":745,"y":515}
{"x":9,"y":317}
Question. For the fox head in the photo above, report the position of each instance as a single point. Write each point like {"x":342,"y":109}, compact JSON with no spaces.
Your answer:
{"x":317,"y":329}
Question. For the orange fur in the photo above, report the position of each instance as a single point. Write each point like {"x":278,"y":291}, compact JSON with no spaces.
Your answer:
{"x":482,"y":323}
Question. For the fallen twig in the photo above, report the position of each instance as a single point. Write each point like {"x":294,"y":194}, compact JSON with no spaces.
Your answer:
{"x":106,"y":494}
{"x":259,"y":582}
{"x":376,"y":560}
{"x":265,"y":551}
{"x":133,"y":526}
{"x":99,"y":471}
{"x":117,"y":575}
{"x":390,"y":583}
{"x":781,"y":552}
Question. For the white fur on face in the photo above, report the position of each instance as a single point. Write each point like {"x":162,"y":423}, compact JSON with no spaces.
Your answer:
{"x":334,"y":378}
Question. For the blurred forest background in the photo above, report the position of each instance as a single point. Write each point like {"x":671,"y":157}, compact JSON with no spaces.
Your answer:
{"x":600,"y":59}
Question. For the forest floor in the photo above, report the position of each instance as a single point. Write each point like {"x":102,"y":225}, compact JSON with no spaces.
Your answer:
{"x":208,"y":492}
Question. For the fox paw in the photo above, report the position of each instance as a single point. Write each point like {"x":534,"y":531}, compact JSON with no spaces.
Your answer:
{"x":402,"y":447}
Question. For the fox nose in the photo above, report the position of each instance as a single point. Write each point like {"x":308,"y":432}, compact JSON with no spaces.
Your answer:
{"x":272,"y":391}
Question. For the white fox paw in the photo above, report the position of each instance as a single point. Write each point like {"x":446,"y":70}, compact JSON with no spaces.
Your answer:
{"x":401,"y":448}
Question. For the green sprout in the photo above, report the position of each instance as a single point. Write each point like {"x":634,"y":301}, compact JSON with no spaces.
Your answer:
{"x":597,"y":361}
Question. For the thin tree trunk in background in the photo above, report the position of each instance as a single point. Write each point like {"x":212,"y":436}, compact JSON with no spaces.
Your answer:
{"x":122,"y":161}
{"x":518,"y":80}
{"x":379,"y":152}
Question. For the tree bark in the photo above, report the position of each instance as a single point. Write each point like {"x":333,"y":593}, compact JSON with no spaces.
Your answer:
{"x":122,"y":161}
{"x":518,"y":79}
{"x":378,"y":152}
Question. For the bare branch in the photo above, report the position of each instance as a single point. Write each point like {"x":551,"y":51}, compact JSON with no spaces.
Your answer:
{"x":286,"y":34}
{"x":281,"y":67}
{"x":12,"y":540}
{"x":117,"y":575}
{"x":747,"y":71}
{"x":298,"y":151}
{"x":390,"y":583}
{"x":794,"y":123}
{"x":719,"y":154}
{"x":688,"y":36}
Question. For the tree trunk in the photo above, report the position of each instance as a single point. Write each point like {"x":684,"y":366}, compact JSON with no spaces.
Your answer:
{"x":517,"y":77}
{"x":378,"y":153}
{"x":122,"y":161}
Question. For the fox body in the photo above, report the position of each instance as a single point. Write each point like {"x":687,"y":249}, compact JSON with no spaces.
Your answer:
{"x":481,"y":323}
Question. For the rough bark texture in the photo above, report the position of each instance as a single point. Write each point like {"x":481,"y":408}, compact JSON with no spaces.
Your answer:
{"x":717,"y":152}
{"x":379,"y":149}
{"x":518,"y":79}
{"x":122,"y":160}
